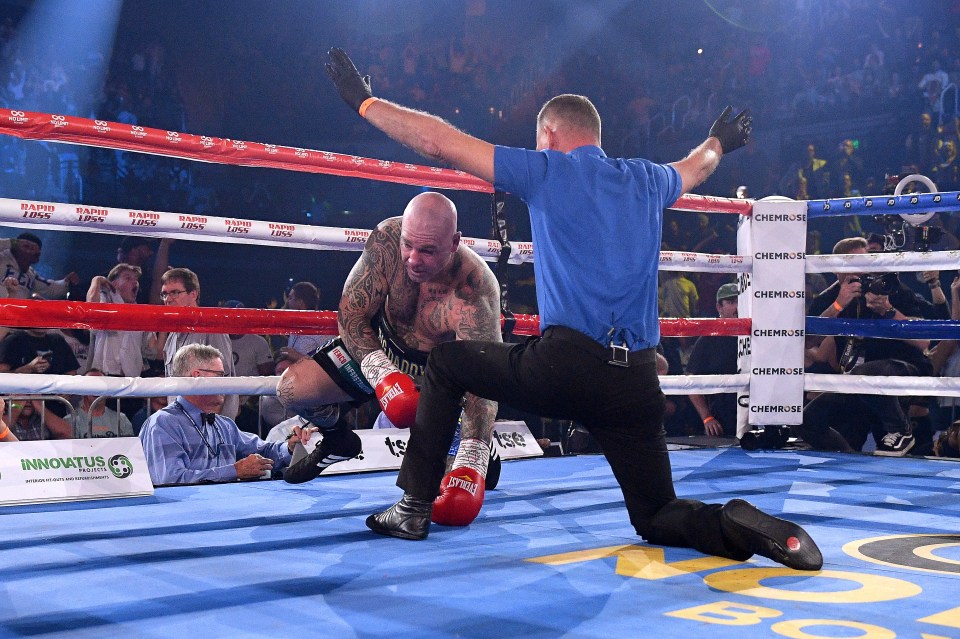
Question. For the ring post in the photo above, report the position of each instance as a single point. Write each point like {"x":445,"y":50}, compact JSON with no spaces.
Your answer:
{"x":778,"y":238}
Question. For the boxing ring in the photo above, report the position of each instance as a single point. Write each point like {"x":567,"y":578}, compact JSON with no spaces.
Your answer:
{"x":552,"y":553}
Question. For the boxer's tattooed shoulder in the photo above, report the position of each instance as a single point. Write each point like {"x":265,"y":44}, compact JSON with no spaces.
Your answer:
{"x":365,"y":290}
{"x":479,"y":301}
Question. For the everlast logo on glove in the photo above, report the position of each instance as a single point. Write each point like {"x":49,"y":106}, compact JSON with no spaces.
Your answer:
{"x":394,"y":391}
{"x":463,"y":482}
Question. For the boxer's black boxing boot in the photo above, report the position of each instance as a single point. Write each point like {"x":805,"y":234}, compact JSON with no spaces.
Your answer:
{"x":409,"y":518}
{"x":749,"y":528}
{"x":336,"y":446}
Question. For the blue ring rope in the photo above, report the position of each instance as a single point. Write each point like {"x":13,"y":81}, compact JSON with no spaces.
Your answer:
{"x":893,"y":329}
{"x":911,"y":204}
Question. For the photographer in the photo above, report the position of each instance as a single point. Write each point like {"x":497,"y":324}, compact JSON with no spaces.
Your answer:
{"x":937,"y":307}
{"x":842,"y":421}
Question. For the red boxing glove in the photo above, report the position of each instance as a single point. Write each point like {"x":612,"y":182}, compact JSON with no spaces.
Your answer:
{"x":461,"y":496}
{"x":398,"y":398}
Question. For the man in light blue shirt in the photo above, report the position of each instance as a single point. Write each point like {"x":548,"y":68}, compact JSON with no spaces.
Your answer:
{"x":188,"y":442}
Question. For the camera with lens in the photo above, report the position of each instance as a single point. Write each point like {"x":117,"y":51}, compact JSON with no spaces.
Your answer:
{"x":765,"y":438}
{"x":880,"y":283}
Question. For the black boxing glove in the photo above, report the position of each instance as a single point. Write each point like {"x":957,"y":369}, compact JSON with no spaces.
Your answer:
{"x":354,"y":90}
{"x":734,"y":133}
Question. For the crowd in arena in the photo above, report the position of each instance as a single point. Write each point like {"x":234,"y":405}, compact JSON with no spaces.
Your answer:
{"x":900,"y":69}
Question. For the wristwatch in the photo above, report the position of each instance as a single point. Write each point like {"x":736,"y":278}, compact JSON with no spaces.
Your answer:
{"x":890,"y":314}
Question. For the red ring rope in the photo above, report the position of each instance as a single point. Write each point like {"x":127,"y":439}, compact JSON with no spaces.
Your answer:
{"x":185,"y":319}
{"x":30,"y":125}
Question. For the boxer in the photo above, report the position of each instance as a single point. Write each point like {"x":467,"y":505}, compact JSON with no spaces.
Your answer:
{"x":414,"y":286}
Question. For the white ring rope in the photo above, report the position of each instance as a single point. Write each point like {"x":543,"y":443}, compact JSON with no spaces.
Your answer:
{"x":883,"y":262}
{"x":882,"y":385}
{"x":13,"y":383}
{"x":703,"y":384}
{"x":17,"y":383}
{"x":209,"y":228}
{"x":704,"y":262}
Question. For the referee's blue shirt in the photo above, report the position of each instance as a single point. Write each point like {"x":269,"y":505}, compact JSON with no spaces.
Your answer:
{"x":596,"y":224}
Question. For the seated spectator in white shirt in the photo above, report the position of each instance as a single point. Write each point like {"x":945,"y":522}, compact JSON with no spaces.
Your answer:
{"x":251,"y":358}
{"x":251,"y":353}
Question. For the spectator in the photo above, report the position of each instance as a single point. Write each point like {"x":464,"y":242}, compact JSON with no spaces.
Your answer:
{"x":921,"y":146}
{"x":251,"y":358}
{"x":152,"y":405}
{"x":79,"y":341}
{"x":17,"y":257}
{"x":188,"y":442}
{"x":846,"y":162}
{"x":251,"y":353}
{"x":704,"y":238}
{"x":934,"y":81}
{"x":815,"y":171}
{"x":946,"y":172}
{"x":841,"y":422}
{"x":119,"y":353}
{"x":181,"y":287}
{"x":94,"y":418}
{"x":303,"y":296}
{"x":717,"y":355}
{"x":137,"y":251}
{"x":678,"y":295}
{"x":6,"y":434}
{"x":30,"y":422}
{"x":37,"y":350}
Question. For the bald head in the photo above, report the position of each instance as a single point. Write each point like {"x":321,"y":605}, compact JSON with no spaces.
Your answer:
{"x":428,"y":235}
{"x":431,"y":210}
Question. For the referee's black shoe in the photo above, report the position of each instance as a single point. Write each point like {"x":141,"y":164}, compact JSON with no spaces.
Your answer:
{"x":749,"y":528}
{"x":409,"y":518}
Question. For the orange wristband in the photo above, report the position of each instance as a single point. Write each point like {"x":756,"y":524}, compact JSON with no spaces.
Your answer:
{"x":6,"y":431}
{"x":366,"y":105}
{"x":708,"y":419}
{"x":838,"y":307}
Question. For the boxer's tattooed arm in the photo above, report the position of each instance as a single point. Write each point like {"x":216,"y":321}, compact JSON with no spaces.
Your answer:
{"x":365,"y":290}
{"x":479,"y":302}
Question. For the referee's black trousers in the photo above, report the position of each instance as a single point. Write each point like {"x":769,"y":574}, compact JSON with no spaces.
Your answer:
{"x":566,"y":375}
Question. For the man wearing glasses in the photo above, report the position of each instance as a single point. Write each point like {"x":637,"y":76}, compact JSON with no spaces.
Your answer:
{"x":187,"y":442}
{"x":181,"y":287}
